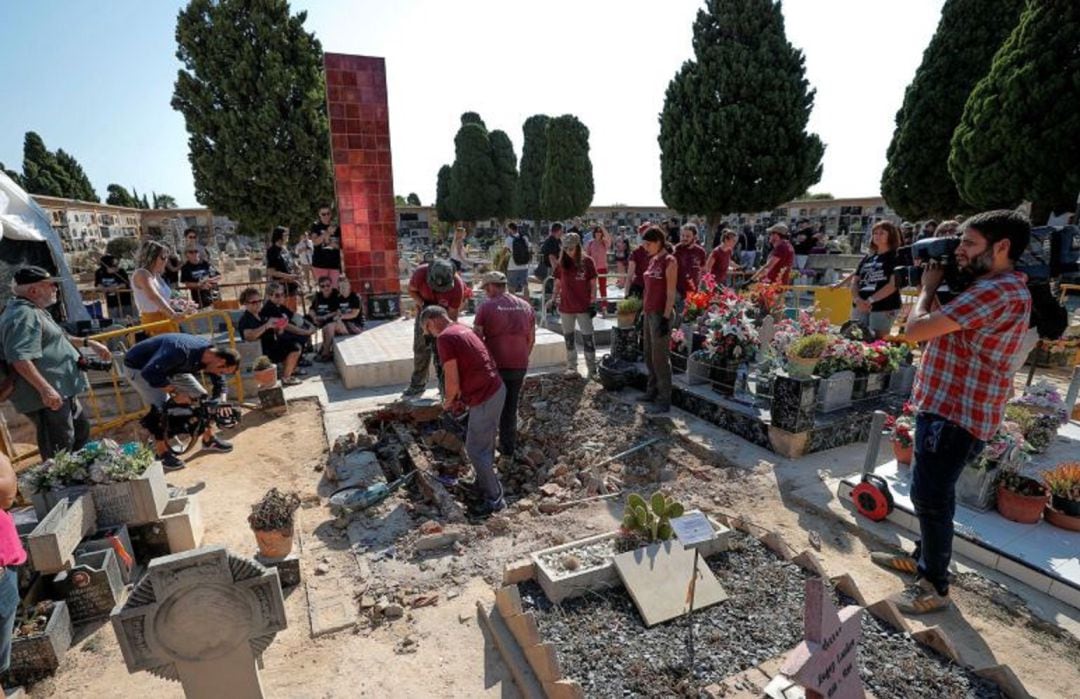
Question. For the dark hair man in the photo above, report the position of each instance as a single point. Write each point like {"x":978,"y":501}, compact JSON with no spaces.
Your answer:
{"x":690,"y":257}
{"x":473,"y":380}
{"x":961,"y":388}
{"x":507,"y":325}
{"x":517,"y":267}
{"x":432,"y":284}
{"x":200,"y":278}
{"x":111,"y":279}
{"x":46,"y":363}
{"x":163,"y":366}
{"x":781,"y":258}
{"x":549,"y":257}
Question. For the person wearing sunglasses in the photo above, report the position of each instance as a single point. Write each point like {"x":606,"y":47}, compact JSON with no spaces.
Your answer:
{"x":326,"y":254}
{"x":289,"y":327}
{"x":200,"y":278}
{"x":279,"y":347}
{"x":324,"y":312}
{"x":151,"y":292}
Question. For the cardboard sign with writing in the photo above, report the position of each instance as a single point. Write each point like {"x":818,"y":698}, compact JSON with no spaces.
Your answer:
{"x":826,"y":663}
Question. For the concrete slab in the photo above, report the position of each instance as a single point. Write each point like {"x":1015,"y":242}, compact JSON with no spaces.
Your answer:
{"x":382,"y":355}
{"x":658,"y":577}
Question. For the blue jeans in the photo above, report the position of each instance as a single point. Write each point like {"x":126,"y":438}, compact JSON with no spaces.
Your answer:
{"x":9,"y":604}
{"x":942,"y":449}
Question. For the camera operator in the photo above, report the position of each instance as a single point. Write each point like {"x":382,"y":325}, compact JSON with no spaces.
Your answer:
{"x":47,"y":366}
{"x":163,"y":366}
{"x":962,"y":385}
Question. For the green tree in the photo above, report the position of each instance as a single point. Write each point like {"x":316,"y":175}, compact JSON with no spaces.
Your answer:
{"x":1019,"y":137}
{"x":442,"y":196}
{"x":506,"y":174}
{"x":916,"y":181}
{"x":122,"y":248}
{"x":118,"y":195}
{"x":413,"y":199}
{"x":474,"y":193}
{"x":733,"y":128}
{"x":164,"y":201}
{"x":143,"y":203}
{"x":400,"y":200}
{"x":472,"y":118}
{"x":15,"y":176}
{"x":79,"y":186}
{"x":253,"y":97}
{"x":42,"y":174}
{"x":135,"y":200}
{"x":567,"y":187}
{"x":533,"y":160}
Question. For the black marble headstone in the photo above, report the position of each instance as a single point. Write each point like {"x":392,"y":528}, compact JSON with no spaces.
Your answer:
{"x":793,"y":403}
{"x":92,"y":587}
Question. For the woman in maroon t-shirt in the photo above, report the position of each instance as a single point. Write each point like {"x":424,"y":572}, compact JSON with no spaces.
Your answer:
{"x":575,"y":293}
{"x":661,"y":277}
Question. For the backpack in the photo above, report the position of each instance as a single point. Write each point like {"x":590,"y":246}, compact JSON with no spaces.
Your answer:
{"x":1048,"y":316}
{"x":520,"y":250}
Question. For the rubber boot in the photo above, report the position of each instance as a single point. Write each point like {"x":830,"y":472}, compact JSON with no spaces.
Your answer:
{"x":590,"y":355}
{"x":571,"y":353}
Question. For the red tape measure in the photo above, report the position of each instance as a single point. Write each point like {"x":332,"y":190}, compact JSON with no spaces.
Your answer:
{"x":872,"y":498}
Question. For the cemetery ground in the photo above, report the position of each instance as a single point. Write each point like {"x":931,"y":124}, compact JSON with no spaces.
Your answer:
{"x":391,"y":594}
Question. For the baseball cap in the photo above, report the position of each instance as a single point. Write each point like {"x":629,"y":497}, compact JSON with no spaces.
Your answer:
{"x":570,"y":240}
{"x":440,"y":276}
{"x":32,"y":274}
{"x":644,"y":227}
{"x":493,"y":277}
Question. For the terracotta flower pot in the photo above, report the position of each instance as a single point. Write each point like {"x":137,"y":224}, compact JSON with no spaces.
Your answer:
{"x":903,"y":454}
{"x":1026,"y":509}
{"x":265,"y":378}
{"x":1062,"y":520}
{"x":274,"y":543}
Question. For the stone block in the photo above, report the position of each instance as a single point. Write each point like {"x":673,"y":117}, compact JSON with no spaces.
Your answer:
{"x":117,"y":540}
{"x":544,"y":662}
{"x":183,"y":523}
{"x":508,"y":601}
{"x":272,"y":400}
{"x":564,"y":689}
{"x":788,"y":444}
{"x":36,"y":657}
{"x":288,"y":568}
{"x":834,"y":392}
{"x":137,"y":501}
{"x":519,"y":571}
{"x":53,"y":541}
{"x":92,"y":587}
{"x":524,"y":628}
{"x":793,"y":403}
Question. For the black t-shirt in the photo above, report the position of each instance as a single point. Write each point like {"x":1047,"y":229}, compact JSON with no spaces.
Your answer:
{"x":324,"y":305}
{"x":874,"y":272}
{"x":271,"y":310}
{"x":278,"y":259}
{"x":194,"y":272}
{"x":250,"y":321}
{"x":550,"y":246}
{"x":346,"y":304}
{"x":324,"y":256}
{"x":107,"y":279}
{"x":803,"y":241}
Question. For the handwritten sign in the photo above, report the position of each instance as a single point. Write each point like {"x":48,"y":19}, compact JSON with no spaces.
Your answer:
{"x":825,"y":664}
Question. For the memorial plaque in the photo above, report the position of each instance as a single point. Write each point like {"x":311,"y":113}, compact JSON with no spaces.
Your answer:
{"x":693,"y":529}
{"x":92,"y":587}
{"x":826,"y":663}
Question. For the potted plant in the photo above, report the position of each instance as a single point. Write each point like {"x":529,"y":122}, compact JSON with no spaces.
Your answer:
{"x":1064,"y":483}
{"x":835,"y":369}
{"x":1005,"y":451}
{"x":902,"y":434}
{"x":272,"y":519}
{"x":804,"y":354}
{"x":264,"y":371}
{"x":627,"y":311}
{"x":1020,"y":498}
{"x":648,"y":521}
{"x":880,"y":362}
{"x":1039,"y":429}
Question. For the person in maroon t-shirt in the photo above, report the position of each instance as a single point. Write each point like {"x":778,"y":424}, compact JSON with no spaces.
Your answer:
{"x":472,"y":379}
{"x":690,"y":258}
{"x":432,"y":284}
{"x":575,"y":293}
{"x":635,"y":271}
{"x":778,"y":266}
{"x":720,"y":258}
{"x":507,"y":325}
{"x":659,"y":310}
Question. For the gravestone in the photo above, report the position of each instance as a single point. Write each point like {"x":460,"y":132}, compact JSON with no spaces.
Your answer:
{"x":92,"y":587}
{"x":658,"y":579}
{"x":272,"y":400}
{"x":825,"y":664}
{"x":202,"y":617}
{"x":793,"y":403}
{"x":834,"y":392}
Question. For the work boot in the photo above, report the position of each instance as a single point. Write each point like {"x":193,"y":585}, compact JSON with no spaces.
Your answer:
{"x":895,"y":561}
{"x":921,"y":598}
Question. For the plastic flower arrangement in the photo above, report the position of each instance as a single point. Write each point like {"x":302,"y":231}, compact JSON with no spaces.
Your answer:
{"x":880,"y":358}
{"x":98,"y":462}
{"x":697,"y":303}
{"x":767,"y":298}
{"x":1042,"y":396}
{"x":841,"y":355}
{"x":730,"y":332}
{"x":902,"y":426}
{"x":678,"y":341}
{"x":1006,"y":448}
{"x":788,"y":330}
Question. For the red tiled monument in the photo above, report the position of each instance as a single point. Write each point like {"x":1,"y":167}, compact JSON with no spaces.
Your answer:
{"x":363,"y":178}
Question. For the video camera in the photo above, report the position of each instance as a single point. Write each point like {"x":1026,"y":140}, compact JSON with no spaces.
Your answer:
{"x":910,"y":258}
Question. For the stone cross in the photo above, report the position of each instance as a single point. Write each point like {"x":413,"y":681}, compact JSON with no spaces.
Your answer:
{"x":826,"y":663}
{"x":202,"y":617}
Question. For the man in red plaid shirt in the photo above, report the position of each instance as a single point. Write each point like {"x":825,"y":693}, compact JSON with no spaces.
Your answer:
{"x":961,"y":387}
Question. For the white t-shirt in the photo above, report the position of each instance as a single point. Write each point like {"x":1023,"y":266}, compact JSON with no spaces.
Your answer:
{"x":511,"y":265}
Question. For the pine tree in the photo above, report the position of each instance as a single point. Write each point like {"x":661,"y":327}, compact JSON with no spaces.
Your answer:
{"x":533,"y":160}
{"x":253,"y":97}
{"x":164,"y":201}
{"x":916,"y":181}
{"x":733,"y":128}
{"x":117,"y":195}
{"x":567,"y":187}
{"x":442,"y":196}
{"x":506,"y":175}
{"x":79,"y":186}
{"x":474,"y":192}
{"x":1019,"y":137}
{"x":42,"y":174}
{"x":413,"y":199}
{"x":16,"y":177}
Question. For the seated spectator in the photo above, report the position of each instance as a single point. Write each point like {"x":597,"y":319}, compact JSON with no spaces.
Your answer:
{"x":110,"y":279}
{"x":198,"y":276}
{"x":294,"y":329}
{"x":352,"y":312}
{"x":324,"y":312}
{"x":270,"y":332}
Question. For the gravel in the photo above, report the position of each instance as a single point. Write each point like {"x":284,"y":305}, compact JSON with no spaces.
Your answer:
{"x":602,"y":643}
{"x":581,"y":558}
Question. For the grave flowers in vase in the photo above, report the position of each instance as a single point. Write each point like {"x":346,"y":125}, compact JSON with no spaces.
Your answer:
{"x":836,"y":370}
{"x":730,"y":340}
{"x":880,"y":362}
{"x":902,"y":434}
{"x":804,"y":354}
{"x":679,"y":350}
{"x":1020,"y":498}
{"x":273,"y":519}
{"x":1005,"y":451}
{"x":768,"y":300}
{"x":626,"y":311}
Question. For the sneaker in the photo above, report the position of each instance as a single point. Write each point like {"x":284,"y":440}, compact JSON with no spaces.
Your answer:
{"x":895,"y":561}
{"x":217,"y":444}
{"x":170,"y":462}
{"x":658,"y":409}
{"x":291,"y":381}
{"x":921,"y":597}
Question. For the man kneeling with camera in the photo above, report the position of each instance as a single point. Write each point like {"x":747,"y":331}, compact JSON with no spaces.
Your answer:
{"x":162,"y":367}
{"x":962,"y":385}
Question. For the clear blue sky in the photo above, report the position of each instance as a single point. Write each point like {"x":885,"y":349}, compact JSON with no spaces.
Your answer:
{"x":96,"y":78}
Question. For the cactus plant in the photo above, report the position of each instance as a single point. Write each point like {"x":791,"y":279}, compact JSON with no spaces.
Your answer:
{"x":650,"y":520}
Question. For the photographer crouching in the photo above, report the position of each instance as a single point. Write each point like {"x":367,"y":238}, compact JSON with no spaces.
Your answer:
{"x":962,"y":385}
{"x":47,"y":368}
{"x":163,"y":366}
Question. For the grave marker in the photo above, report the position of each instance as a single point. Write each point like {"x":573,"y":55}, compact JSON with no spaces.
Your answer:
{"x":826,"y":663}
{"x":202,"y":617}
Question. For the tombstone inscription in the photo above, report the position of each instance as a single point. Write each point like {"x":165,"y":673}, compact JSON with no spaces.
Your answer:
{"x":825,"y":664}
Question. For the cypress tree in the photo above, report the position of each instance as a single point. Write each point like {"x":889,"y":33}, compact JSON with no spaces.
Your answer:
{"x":1019,"y":137}
{"x":135,"y":201}
{"x":413,"y":199}
{"x":253,"y":97}
{"x":15,"y":176}
{"x":442,"y":196}
{"x":567,"y":187}
{"x":118,"y":195}
{"x":474,"y":193}
{"x":42,"y":174}
{"x":79,"y":186}
{"x":916,"y":181}
{"x":533,"y":160}
{"x":733,"y":128}
{"x":506,"y":175}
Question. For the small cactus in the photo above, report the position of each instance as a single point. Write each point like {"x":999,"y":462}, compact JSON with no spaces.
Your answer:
{"x":650,"y":520}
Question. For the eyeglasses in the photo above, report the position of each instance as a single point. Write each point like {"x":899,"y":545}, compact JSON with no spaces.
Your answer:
{"x":254,"y":301}
{"x":324,"y":214}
